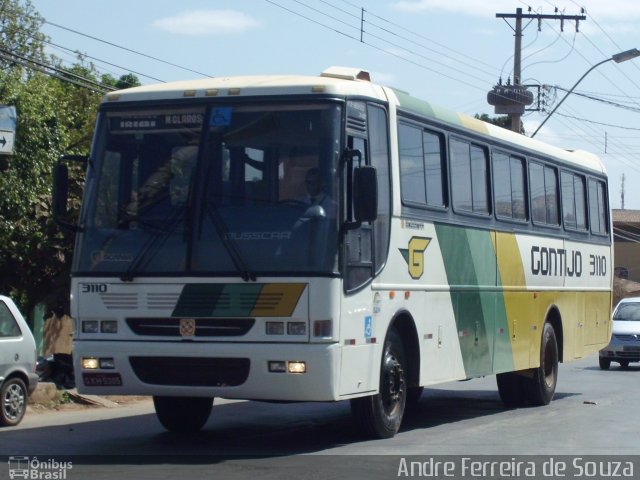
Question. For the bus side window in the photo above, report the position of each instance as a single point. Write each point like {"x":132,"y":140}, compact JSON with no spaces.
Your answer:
{"x":573,"y":201}
{"x":544,"y":194}
{"x":598,"y":207}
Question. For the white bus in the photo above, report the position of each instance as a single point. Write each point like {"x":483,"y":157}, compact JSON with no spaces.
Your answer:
{"x":293,"y":238}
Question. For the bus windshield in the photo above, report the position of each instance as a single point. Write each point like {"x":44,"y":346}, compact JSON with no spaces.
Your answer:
{"x":226,"y":189}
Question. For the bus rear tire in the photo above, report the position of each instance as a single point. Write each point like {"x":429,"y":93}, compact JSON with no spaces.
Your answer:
{"x":380,"y":415}
{"x":541,"y":387}
{"x":511,"y":389}
{"x":183,"y":414}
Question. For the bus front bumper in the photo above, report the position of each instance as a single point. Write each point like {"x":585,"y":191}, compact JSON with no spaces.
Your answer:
{"x":231,"y":370}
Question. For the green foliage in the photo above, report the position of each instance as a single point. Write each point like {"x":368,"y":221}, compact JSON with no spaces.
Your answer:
{"x":20,"y":31}
{"x":501,"y":121}
{"x":54,"y":117}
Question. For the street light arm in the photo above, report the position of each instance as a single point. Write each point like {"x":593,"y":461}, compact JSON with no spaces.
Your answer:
{"x":569,"y":93}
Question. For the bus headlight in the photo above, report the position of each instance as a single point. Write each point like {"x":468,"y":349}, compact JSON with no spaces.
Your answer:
{"x":109,"y":326}
{"x":89,"y":363}
{"x":275,"y":328}
{"x":292,"y":366}
{"x":297,"y":367}
{"x":296,"y":328}
{"x":90,"y":326}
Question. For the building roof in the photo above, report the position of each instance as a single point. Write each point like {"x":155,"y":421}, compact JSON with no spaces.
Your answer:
{"x":626,"y":216}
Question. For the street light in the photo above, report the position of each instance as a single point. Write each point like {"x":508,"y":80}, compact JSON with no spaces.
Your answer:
{"x":618,"y":58}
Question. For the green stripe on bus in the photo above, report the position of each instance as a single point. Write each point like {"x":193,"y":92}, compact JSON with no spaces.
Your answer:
{"x":217,"y":300}
{"x":470,"y":262}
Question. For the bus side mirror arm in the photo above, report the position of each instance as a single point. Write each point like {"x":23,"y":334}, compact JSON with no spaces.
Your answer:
{"x":60,"y":192}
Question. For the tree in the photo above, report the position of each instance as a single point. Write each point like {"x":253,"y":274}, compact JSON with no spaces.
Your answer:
{"x":55,"y":116}
{"x":501,"y":121}
{"x":20,"y":32}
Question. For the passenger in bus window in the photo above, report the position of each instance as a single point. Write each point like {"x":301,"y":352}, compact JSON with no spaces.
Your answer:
{"x":316,"y":195}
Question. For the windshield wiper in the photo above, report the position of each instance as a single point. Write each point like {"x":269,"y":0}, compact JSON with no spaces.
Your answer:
{"x":156,"y":241}
{"x":229,"y":244}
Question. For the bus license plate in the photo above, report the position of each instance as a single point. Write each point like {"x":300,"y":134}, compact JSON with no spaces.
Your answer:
{"x":632,"y":348}
{"x":102,"y":379}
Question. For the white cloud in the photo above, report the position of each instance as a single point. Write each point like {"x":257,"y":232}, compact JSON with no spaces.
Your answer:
{"x":207,"y":22}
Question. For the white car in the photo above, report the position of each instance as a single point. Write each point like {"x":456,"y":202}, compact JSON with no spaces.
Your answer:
{"x":624,"y":346}
{"x":17,"y":363}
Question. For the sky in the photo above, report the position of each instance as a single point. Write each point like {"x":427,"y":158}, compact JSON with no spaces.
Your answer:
{"x":448,"y":52}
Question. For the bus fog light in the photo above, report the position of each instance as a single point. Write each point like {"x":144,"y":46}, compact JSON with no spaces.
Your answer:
{"x":109,"y":326}
{"x":296,"y":328}
{"x":107,"y":363}
{"x":89,"y":363}
{"x":277,"y":366}
{"x":275,"y":328}
{"x":322,"y":328}
{"x":297,"y":367}
{"x":90,"y":326}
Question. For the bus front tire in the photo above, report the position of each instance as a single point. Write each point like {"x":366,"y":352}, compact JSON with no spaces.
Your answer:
{"x":605,"y":363}
{"x":380,"y":415}
{"x":541,"y":387}
{"x":183,"y":414}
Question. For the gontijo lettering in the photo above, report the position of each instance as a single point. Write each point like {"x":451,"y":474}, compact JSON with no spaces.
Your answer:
{"x":559,"y":262}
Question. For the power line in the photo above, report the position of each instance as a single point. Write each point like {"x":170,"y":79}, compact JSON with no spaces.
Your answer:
{"x":54,"y":72}
{"x":404,"y":58}
{"x":104,"y":61}
{"x":603,"y":31}
{"x":598,"y":123}
{"x":57,"y":70}
{"x":377,"y":37}
{"x":125,"y":48}
{"x":602,"y":100}
{"x":419,"y":35}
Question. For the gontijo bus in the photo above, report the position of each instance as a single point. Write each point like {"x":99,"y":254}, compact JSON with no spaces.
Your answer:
{"x":437,"y":248}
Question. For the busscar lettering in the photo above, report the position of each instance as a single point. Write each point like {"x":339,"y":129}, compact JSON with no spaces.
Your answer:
{"x":258,"y":235}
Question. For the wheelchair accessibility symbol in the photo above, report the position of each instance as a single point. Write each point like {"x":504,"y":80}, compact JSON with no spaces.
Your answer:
{"x":220,"y":117}
{"x":368,"y":326}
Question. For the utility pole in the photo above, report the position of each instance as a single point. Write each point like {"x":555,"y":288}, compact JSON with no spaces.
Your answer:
{"x":514,"y":100}
{"x":622,"y":193}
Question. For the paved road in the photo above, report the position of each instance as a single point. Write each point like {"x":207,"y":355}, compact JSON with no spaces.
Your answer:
{"x":594,"y":413}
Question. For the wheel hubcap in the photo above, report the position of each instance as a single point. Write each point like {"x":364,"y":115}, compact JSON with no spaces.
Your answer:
{"x":13,"y":402}
{"x":394,"y":384}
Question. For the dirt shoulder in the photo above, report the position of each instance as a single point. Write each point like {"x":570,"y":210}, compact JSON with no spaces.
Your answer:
{"x":47,"y":398}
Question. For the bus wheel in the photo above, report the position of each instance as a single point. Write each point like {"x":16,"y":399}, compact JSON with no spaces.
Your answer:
{"x":624,"y":364}
{"x":183,"y":414}
{"x":380,"y":415}
{"x":541,"y":387}
{"x":605,"y":363}
{"x":511,"y":389}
